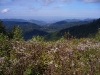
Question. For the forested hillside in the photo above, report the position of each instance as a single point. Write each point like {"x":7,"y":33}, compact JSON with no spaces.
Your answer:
{"x":66,"y":24}
{"x":79,"y":31}
{"x":24,"y":25}
{"x":28,"y":29}
{"x":35,"y":32}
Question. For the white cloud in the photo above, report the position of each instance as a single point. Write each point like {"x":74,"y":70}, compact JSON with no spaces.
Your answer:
{"x":5,"y":10}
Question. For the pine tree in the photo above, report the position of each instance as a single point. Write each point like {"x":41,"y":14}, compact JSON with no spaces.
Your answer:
{"x":17,"y":33}
{"x":2,"y":28}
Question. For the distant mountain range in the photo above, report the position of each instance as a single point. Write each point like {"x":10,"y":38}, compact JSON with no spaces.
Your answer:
{"x":72,"y":20}
{"x":42,"y":23}
{"x":34,"y":27}
{"x":85,"y":30}
{"x":77,"y":20}
{"x":24,"y":25}
{"x":29,"y":28}
{"x":15,"y":20}
{"x":67,"y":23}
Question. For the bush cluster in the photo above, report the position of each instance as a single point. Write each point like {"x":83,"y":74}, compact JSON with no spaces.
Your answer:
{"x":38,"y":57}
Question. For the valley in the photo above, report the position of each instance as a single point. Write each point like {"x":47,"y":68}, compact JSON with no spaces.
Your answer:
{"x":32,"y":28}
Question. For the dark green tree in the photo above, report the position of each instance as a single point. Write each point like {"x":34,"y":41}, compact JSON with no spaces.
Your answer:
{"x":2,"y":28}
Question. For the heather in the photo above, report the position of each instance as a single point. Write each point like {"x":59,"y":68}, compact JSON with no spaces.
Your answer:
{"x":39,"y":57}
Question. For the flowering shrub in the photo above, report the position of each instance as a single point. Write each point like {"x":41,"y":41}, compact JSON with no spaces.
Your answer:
{"x":38,"y":57}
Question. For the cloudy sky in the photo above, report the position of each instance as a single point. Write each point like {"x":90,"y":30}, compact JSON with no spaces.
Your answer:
{"x":49,"y":9}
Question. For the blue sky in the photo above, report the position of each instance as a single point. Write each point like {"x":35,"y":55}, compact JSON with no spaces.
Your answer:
{"x":49,"y":10}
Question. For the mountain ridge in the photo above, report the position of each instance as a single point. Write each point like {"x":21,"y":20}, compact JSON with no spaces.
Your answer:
{"x":79,"y":31}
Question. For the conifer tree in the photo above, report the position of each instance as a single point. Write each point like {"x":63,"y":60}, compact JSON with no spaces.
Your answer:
{"x":17,"y":33}
{"x":2,"y":28}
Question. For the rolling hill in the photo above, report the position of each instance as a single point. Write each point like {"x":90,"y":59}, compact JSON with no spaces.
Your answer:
{"x":79,"y":31}
{"x":29,"y":34}
{"x":24,"y":25}
{"x":28,"y":29}
{"x":15,"y":20}
{"x":41,"y":23}
{"x":66,"y":24}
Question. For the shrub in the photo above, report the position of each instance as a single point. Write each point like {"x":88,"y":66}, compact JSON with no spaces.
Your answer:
{"x":17,"y":33}
{"x":97,"y":37}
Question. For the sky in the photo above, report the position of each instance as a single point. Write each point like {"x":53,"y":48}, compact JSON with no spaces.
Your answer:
{"x":49,"y":10}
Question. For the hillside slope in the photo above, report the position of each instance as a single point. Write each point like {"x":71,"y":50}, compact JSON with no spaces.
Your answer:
{"x":28,"y":29}
{"x":78,"y":31}
{"x":35,"y":32}
{"x":41,"y":23}
{"x":64,"y":24}
{"x":24,"y":25}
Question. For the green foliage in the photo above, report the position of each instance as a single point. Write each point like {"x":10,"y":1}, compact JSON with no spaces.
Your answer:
{"x":38,"y":38}
{"x":17,"y":33}
{"x":2,"y":28}
{"x":38,"y":57}
{"x":5,"y":48}
{"x":35,"y":69}
{"x":34,"y":32}
{"x":97,"y":37}
{"x":5,"y":45}
{"x":9,"y":34}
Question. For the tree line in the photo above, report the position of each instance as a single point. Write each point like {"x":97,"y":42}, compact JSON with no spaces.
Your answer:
{"x":15,"y":33}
